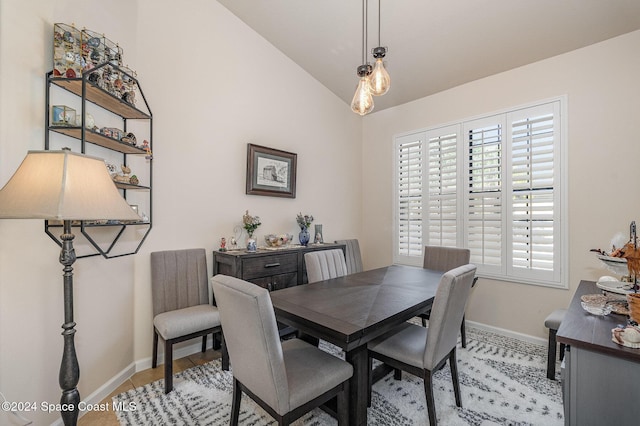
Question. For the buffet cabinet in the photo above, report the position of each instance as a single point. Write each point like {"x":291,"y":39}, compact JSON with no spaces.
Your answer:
{"x":271,"y":269}
{"x":600,"y":379}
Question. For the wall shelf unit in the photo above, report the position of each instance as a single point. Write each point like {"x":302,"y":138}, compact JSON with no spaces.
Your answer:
{"x":89,"y":90}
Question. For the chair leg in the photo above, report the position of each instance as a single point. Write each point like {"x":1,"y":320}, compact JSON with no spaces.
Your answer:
{"x":225,"y":353}
{"x":216,"y":340}
{"x":397,"y":374}
{"x":453,"y":364}
{"x":428,"y":393}
{"x":562,"y":348}
{"x":168,"y":366}
{"x":551,"y":355}
{"x":154,"y":359}
{"x":343,"y":404}
{"x":369,"y":380}
{"x":204,"y":343}
{"x":235,"y":404}
{"x":424,"y":322}
{"x":463,"y":334}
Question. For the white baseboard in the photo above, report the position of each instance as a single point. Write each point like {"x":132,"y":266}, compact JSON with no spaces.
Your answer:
{"x":112,"y":384}
{"x":103,"y":391}
{"x":145,"y":363}
{"x":508,"y":333}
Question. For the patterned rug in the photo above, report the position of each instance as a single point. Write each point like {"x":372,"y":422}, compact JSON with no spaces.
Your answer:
{"x":503,"y":382}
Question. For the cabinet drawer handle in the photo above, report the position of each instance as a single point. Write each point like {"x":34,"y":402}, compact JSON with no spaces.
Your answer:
{"x":272,"y":265}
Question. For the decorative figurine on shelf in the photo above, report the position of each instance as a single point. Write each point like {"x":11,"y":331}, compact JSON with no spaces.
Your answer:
{"x":304,"y":222}
{"x":233,"y":243}
{"x":318,"y":238}
{"x":124,"y":177}
{"x":146,"y":147}
{"x":250,"y":224}
{"x":223,"y":244}
{"x":129,"y":138}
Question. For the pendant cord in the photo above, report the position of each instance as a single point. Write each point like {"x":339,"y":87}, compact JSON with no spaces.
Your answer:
{"x":366,"y":32}
{"x":364,"y":48}
{"x":379,"y":44}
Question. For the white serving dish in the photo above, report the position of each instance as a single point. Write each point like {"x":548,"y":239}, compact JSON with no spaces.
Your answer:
{"x":618,"y":287}
{"x":617,"y":265}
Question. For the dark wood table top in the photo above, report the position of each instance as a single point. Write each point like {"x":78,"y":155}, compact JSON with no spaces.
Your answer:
{"x":584,"y":330}
{"x":351,"y":310}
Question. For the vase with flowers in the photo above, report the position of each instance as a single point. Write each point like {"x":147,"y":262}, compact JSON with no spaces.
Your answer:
{"x":250,"y":224}
{"x":304,"y":221}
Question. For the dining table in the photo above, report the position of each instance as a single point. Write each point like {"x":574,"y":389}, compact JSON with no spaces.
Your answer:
{"x":351,"y":310}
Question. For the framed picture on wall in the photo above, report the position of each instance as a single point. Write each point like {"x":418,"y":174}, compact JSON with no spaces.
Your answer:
{"x":271,"y":172}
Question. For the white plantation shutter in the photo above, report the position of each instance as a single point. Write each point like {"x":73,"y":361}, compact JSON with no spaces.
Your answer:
{"x":493,"y":185}
{"x":409,"y":198}
{"x":484,"y":196}
{"x":442,"y":177}
{"x":534,"y":221}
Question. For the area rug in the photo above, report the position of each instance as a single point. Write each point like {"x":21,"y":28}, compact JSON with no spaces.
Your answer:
{"x":503,"y":382}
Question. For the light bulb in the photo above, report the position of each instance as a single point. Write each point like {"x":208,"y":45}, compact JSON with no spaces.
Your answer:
{"x":362,"y":102}
{"x":379,"y":79}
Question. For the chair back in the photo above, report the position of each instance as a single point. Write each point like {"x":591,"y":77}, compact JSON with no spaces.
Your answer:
{"x":178,"y":279}
{"x":445,"y":258}
{"x":352,"y":255}
{"x":325,"y":264}
{"x":251,"y":336}
{"x":447,"y":312}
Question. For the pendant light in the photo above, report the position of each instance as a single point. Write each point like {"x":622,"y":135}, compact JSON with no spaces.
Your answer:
{"x":362,"y":102}
{"x":379,"y":80}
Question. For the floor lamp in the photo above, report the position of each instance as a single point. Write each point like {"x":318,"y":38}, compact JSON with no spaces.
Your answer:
{"x":66,"y":186}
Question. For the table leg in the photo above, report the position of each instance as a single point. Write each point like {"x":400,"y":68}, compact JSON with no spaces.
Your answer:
{"x":357,"y":357}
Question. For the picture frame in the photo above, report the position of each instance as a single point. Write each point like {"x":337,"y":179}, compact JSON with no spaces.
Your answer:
{"x":271,"y":172}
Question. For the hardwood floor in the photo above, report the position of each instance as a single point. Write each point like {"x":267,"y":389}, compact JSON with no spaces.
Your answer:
{"x":141,"y":378}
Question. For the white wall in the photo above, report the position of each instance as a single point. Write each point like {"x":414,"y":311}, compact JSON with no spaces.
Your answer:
{"x":213,"y":86}
{"x":601,"y":82}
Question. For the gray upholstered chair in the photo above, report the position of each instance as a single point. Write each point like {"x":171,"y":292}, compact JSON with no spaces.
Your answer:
{"x":181,"y":308}
{"x":352,"y":255}
{"x":445,"y":259}
{"x":325,"y":264}
{"x":286,"y":378}
{"x":552,"y":322}
{"x":421,"y":351}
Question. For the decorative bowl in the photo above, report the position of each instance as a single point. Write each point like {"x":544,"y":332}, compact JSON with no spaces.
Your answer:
{"x":597,"y":308}
{"x":617,"y":265}
{"x":282,"y":240}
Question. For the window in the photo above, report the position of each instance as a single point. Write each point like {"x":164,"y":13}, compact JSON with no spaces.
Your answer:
{"x":409,"y":199}
{"x":492,"y":184}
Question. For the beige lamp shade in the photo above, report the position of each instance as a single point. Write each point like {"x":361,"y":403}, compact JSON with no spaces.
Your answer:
{"x":63,"y":185}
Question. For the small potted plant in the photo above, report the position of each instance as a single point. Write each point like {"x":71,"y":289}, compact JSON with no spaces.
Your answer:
{"x":250,"y":223}
{"x":304,"y":221}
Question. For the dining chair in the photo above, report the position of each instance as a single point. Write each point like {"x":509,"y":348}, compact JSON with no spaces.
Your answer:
{"x":445,"y":259}
{"x":352,"y":255}
{"x":325,"y":264}
{"x":552,"y":322}
{"x":181,"y":308}
{"x":421,"y":351}
{"x":287,"y":379}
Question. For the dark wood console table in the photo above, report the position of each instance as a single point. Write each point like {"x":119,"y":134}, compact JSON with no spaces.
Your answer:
{"x":271,"y":269}
{"x":601,"y":379}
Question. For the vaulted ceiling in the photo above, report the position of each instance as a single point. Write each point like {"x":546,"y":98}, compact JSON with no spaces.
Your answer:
{"x":433,"y":45}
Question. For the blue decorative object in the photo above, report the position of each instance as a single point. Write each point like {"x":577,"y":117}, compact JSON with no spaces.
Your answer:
{"x":303,"y":236}
{"x":251,"y":245}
